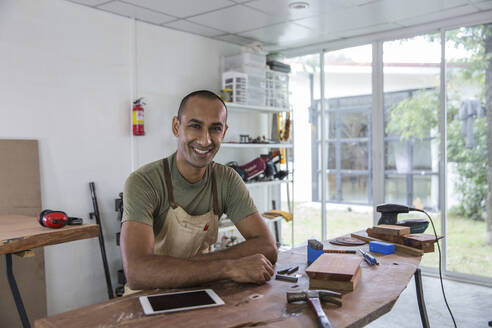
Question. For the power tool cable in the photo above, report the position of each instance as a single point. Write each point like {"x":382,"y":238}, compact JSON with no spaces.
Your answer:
{"x":440,"y":269}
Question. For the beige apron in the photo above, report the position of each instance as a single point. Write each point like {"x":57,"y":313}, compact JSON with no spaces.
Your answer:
{"x":183,"y":235}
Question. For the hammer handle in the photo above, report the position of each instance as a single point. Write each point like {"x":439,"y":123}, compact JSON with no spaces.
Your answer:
{"x":322,"y":318}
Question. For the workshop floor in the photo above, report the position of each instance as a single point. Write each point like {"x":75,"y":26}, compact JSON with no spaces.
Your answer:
{"x":471,"y":306}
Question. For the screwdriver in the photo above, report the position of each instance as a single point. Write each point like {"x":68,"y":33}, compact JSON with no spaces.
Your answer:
{"x":371,"y":260}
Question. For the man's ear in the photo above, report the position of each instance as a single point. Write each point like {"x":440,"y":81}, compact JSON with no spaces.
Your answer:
{"x":176,"y":124}
{"x":225,"y":130}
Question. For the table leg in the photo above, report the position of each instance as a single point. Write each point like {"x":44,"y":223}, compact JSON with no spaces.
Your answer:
{"x":15,"y":292}
{"x":420,"y":298}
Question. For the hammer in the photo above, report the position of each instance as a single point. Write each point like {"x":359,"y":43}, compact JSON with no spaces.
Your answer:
{"x":314,"y":297}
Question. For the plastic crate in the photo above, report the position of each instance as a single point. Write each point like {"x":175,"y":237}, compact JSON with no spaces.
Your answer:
{"x":238,"y":83}
{"x":256,"y":96}
{"x":246,"y":89}
{"x":245,"y":59}
{"x":277,"y":88}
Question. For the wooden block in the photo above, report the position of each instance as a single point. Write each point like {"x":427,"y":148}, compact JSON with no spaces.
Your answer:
{"x":391,"y":230}
{"x":335,"y":285}
{"x":390,"y":238}
{"x":428,"y":249}
{"x":341,"y":267}
{"x":418,"y":240}
{"x":362,"y":235}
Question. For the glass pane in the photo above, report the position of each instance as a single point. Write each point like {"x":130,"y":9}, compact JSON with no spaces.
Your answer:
{"x":354,"y":156}
{"x":469,"y":93}
{"x":396,"y":156}
{"x":304,"y":81}
{"x":411,"y":124}
{"x":331,"y":187}
{"x":422,"y":155}
{"x":354,"y":125}
{"x":355,"y":188}
{"x":332,"y":125}
{"x":332,"y":164}
{"x":426,"y":191}
{"x":348,"y":88}
{"x":395,"y":189}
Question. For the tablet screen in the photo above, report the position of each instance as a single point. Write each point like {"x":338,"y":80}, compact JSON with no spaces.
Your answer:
{"x":176,"y":301}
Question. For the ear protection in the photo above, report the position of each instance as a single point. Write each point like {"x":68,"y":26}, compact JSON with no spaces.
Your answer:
{"x":56,"y":219}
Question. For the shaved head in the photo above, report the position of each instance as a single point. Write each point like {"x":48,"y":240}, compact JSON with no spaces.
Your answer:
{"x":202,"y":94}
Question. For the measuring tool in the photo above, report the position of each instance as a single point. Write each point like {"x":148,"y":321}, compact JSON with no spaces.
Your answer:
{"x":371,"y":260}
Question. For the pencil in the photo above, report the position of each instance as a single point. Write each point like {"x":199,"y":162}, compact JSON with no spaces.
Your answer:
{"x":341,"y":251}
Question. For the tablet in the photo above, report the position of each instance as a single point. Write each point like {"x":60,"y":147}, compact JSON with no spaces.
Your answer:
{"x":179,"y":301}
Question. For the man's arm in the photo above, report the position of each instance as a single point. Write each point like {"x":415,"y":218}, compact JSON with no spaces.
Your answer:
{"x":144,"y":270}
{"x":259,"y":240}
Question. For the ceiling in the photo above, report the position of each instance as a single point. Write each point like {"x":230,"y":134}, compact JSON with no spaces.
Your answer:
{"x":278,"y":26}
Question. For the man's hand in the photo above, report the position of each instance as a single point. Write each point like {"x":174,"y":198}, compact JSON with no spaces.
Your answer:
{"x":250,"y":269}
{"x":259,"y":240}
{"x":249,"y":262}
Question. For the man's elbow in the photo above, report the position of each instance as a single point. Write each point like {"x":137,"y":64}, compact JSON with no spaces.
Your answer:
{"x":271,"y":252}
{"x":134,"y":278}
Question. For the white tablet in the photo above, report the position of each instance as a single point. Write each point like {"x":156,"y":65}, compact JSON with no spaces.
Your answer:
{"x":180,"y":301}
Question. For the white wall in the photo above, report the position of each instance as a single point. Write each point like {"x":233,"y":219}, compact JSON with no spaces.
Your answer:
{"x":66,"y":80}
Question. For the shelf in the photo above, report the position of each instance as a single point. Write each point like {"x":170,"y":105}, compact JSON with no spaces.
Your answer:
{"x":260,"y":109}
{"x":253,"y":145}
{"x":266,"y":183}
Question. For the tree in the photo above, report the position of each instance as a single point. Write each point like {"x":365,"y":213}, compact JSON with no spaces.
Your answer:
{"x":416,"y":117}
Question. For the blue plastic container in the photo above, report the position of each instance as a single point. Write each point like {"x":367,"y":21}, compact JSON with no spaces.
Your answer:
{"x":381,"y":247}
{"x":313,"y":254}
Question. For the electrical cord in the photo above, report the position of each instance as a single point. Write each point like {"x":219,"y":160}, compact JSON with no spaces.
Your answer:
{"x":440,"y":270}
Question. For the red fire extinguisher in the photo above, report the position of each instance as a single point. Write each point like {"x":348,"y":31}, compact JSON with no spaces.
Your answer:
{"x":138,"y":117}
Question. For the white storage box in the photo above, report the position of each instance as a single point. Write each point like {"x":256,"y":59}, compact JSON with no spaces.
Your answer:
{"x":238,"y":83}
{"x":246,"y":89}
{"x":244,"y":60}
{"x":277,"y":89}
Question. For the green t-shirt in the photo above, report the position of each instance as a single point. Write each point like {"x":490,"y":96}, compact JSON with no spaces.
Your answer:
{"x":145,"y":196}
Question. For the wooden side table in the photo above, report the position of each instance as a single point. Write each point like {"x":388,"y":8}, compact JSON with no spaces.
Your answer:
{"x":20,"y":233}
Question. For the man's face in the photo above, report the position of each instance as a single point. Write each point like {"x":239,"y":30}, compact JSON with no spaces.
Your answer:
{"x":200,"y":130}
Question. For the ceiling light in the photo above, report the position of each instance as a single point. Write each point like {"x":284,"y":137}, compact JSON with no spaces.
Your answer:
{"x":298,"y":5}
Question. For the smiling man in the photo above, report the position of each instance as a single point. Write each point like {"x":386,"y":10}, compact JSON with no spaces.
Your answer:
{"x":172,"y":208}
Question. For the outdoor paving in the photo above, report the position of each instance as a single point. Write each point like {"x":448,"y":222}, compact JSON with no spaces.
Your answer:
{"x":471,"y":306}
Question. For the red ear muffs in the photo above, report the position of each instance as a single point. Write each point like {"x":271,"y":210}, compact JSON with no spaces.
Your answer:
{"x":57,"y":219}
{"x":53,"y":219}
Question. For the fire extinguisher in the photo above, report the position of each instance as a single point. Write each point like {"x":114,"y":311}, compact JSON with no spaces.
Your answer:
{"x":138,"y":117}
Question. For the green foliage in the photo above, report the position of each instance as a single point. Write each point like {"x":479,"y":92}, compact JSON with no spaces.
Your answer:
{"x":471,"y":163}
{"x":417,"y":116}
{"x":414,"y":117}
{"x":471,"y":168}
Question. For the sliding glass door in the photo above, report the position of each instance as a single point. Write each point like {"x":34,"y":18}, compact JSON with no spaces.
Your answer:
{"x":469,"y":141}
{"x":348,"y":140}
{"x":435,"y":109}
{"x":411,"y":72}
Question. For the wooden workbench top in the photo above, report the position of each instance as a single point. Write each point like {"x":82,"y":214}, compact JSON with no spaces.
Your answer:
{"x":19,"y":233}
{"x":248,"y":305}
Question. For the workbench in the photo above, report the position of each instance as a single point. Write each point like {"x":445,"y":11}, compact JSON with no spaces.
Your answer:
{"x":248,"y":305}
{"x":19,"y":233}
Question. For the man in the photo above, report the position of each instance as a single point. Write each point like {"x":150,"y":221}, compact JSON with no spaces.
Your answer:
{"x":172,"y":207}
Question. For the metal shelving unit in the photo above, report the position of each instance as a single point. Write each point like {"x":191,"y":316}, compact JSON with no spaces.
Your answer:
{"x":289,"y":182}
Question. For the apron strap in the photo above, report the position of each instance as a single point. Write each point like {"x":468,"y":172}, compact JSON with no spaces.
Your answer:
{"x":169,"y":186}
{"x":169,"y":183}
{"x":214,"y":190}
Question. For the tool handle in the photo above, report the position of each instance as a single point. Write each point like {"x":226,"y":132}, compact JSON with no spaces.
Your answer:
{"x":371,"y":260}
{"x":286,"y":278}
{"x":340,"y":251}
{"x":322,"y":318}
